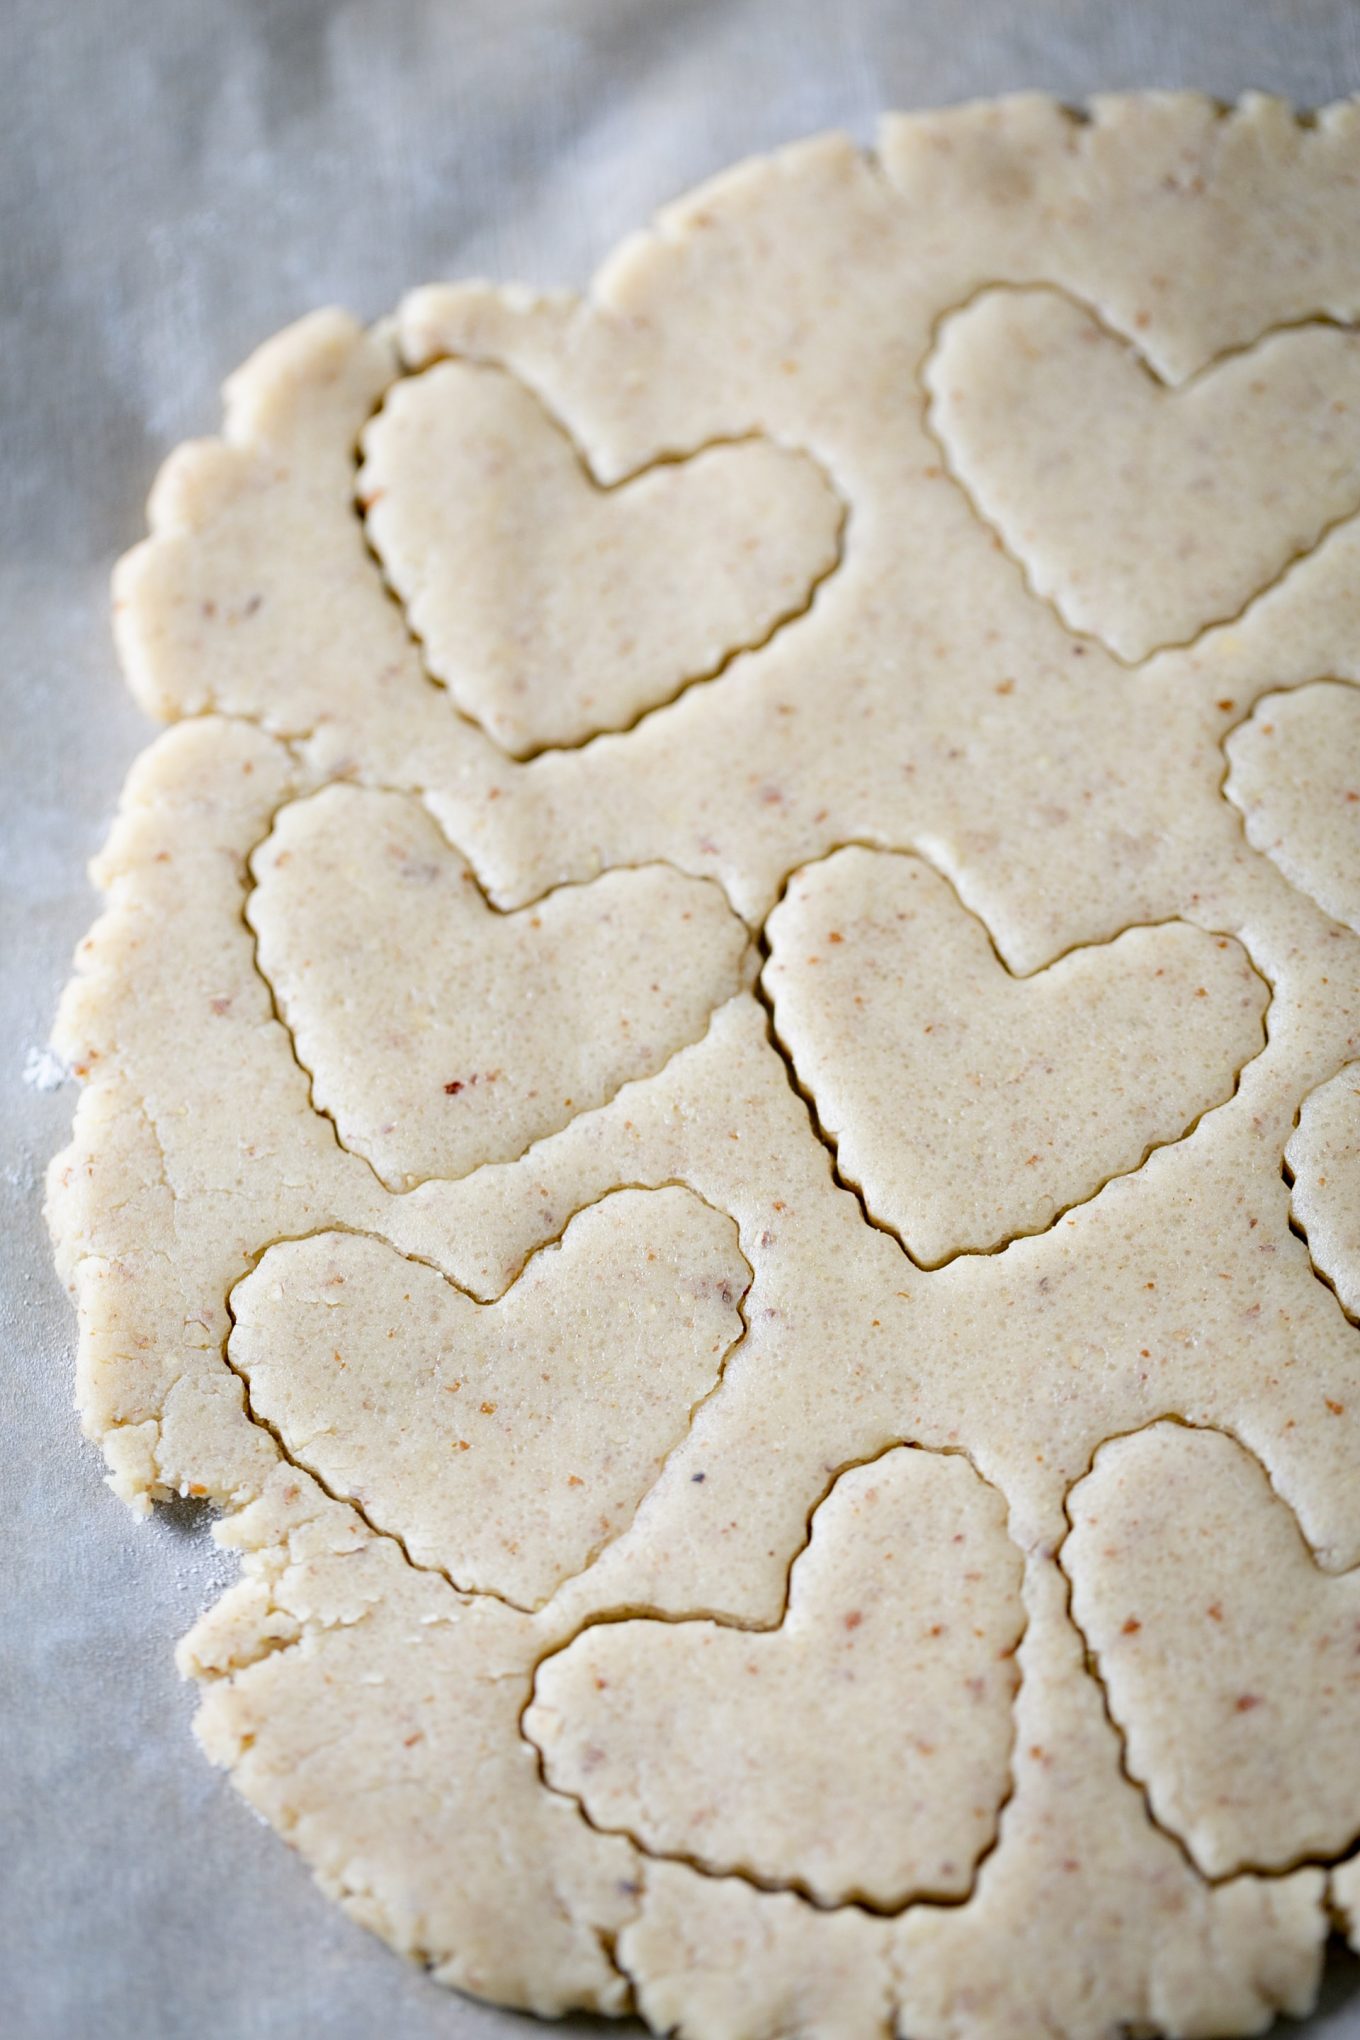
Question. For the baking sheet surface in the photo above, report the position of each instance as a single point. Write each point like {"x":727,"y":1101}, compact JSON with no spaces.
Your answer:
{"x":177,"y":181}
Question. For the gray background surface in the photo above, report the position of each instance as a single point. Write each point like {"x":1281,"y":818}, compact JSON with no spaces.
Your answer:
{"x":176,"y":182}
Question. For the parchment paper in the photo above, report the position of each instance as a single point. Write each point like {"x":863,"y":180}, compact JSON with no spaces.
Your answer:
{"x":176,"y":182}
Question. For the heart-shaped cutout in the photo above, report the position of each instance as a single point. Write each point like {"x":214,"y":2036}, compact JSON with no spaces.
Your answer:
{"x":504,"y":1443}
{"x":903,"y":1618}
{"x":1294,"y":771}
{"x":441,"y":1034}
{"x":1230,"y":1660}
{"x":970,"y":1106}
{"x":1144,"y":514}
{"x":553,"y":608}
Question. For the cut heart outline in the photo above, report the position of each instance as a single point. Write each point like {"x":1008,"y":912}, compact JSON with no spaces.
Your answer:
{"x":863,"y":919}
{"x":441,"y":1033}
{"x":901,"y":1836}
{"x":1187,"y":1567}
{"x":501,"y":1444}
{"x":1063,"y":438}
{"x":670,"y":573}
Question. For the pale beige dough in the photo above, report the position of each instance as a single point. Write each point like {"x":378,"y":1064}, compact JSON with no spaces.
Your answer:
{"x":266,"y":1048}
{"x":967,"y":1105}
{"x":885,"y":1692}
{"x":594,"y":605}
{"x":347,"y":1690}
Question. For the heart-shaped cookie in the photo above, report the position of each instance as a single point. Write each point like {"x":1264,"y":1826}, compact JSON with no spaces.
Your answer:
{"x":971,"y":1106}
{"x":504,"y":1443}
{"x":898,"y":1642}
{"x":1231,"y":1662}
{"x":553,"y":608}
{"x":441,"y":1034}
{"x":1294,"y":771}
{"x":1144,"y":514}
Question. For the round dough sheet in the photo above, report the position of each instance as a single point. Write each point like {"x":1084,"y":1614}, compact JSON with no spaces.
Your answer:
{"x":721,"y":1104}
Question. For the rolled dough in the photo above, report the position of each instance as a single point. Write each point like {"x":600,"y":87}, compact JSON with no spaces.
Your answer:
{"x":719,"y":1080}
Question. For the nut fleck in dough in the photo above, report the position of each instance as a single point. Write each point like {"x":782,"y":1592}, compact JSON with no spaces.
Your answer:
{"x":935,"y":574}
